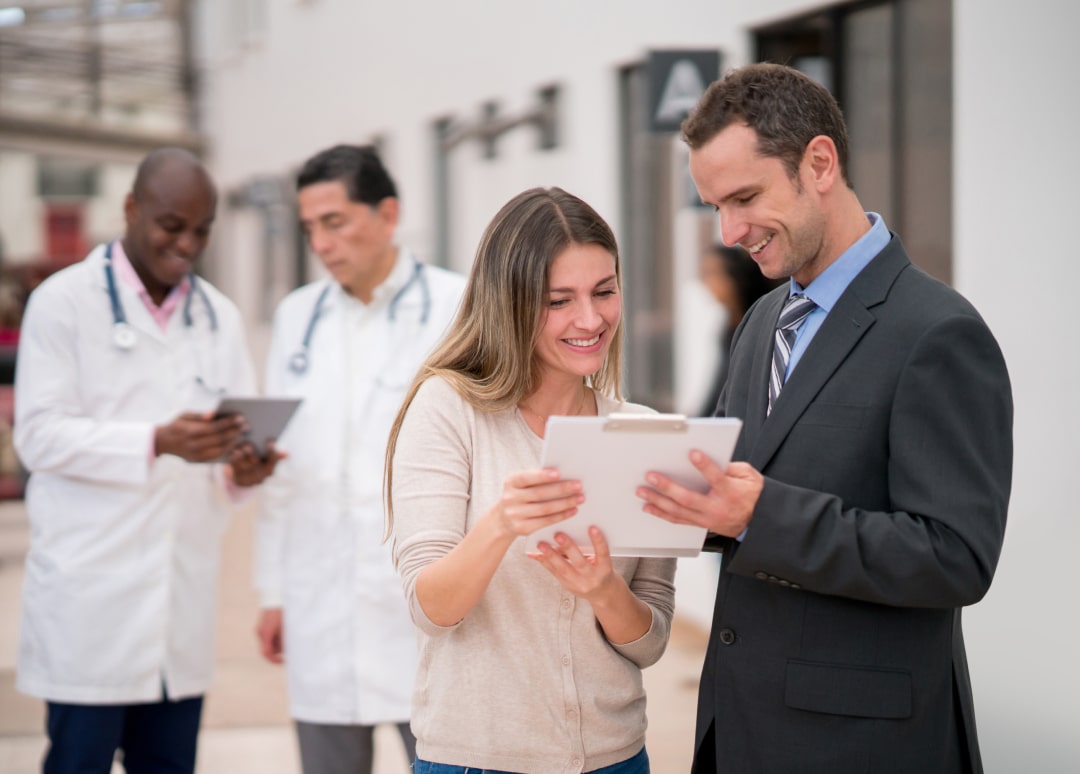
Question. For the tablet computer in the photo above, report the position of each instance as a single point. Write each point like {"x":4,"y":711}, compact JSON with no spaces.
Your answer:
{"x":610,"y":456}
{"x":266,"y":417}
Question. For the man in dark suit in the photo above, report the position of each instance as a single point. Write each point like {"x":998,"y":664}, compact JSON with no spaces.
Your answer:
{"x":868,"y":502}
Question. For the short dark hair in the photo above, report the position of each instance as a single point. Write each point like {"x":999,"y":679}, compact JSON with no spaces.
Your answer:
{"x":785,"y":108}
{"x":358,"y":167}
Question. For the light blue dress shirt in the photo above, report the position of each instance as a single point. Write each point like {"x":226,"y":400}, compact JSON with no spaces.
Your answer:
{"x":828,"y":286}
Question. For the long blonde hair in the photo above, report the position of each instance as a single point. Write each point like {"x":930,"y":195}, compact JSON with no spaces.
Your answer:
{"x":488,"y":353}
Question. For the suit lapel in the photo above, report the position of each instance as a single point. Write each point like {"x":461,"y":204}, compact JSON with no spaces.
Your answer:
{"x":847,"y":322}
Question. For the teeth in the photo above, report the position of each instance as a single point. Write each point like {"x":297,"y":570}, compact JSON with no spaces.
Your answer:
{"x":583,"y":342}
{"x":754,"y":249}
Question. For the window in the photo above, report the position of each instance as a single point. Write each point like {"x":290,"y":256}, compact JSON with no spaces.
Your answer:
{"x":889,"y":64}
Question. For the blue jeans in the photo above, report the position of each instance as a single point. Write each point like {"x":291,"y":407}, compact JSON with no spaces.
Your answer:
{"x":639,"y":764}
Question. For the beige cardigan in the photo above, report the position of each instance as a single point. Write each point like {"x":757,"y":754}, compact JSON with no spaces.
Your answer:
{"x":527,"y":682}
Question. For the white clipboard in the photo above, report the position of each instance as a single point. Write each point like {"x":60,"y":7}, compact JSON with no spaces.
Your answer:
{"x":610,"y":456}
{"x":266,"y":417}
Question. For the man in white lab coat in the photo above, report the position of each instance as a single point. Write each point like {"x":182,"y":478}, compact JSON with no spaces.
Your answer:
{"x":349,"y":345}
{"x":122,"y":358}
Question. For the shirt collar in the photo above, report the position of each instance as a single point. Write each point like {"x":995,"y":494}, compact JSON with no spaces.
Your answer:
{"x":397,"y":279}
{"x":828,"y":286}
{"x":126,"y":274}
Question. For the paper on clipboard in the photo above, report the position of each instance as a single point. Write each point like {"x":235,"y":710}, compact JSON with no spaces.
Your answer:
{"x":611,"y":455}
{"x":266,"y":417}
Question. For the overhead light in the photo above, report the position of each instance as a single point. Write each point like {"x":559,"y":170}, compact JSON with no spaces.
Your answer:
{"x":12,"y":16}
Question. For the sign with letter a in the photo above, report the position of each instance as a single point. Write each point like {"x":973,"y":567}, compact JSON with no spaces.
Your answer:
{"x":677,"y":79}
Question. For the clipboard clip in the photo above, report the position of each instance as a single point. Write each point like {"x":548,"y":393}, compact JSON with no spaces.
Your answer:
{"x":645,"y":423}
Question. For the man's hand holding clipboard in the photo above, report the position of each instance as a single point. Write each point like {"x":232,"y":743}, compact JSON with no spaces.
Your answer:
{"x":611,"y":456}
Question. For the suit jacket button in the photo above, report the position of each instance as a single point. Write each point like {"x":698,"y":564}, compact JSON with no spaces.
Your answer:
{"x":727,"y":636}
{"x":761,"y":575}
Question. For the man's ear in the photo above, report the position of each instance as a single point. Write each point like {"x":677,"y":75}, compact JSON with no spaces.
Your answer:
{"x":822,"y":162}
{"x":389,"y":210}
{"x":131,"y":209}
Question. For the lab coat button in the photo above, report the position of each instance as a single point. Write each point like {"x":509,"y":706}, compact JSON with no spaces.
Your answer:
{"x":727,"y":636}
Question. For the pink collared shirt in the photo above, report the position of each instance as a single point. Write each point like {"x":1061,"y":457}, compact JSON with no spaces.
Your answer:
{"x":126,"y":272}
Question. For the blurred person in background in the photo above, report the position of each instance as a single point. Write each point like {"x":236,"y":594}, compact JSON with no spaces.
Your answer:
{"x":736,"y":282}
{"x":527,"y":663}
{"x":122,"y":359}
{"x":867,"y":503}
{"x":349,"y":345}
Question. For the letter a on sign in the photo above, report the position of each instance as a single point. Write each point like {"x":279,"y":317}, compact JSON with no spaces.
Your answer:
{"x":677,"y":79}
{"x":683,"y":89}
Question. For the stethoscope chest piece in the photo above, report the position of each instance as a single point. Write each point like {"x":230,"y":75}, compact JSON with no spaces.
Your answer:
{"x":123,"y":335}
{"x":298,"y":363}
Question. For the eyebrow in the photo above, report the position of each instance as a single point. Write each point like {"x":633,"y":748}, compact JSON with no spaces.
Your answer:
{"x":604,"y":281}
{"x":306,"y":222}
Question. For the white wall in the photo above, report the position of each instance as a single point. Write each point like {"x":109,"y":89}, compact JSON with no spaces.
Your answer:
{"x":310,"y":84}
{"x":105,"y":212}
{"x":1017,"y":163}
{"x":394,"y":68}
{"x":20,"y":214}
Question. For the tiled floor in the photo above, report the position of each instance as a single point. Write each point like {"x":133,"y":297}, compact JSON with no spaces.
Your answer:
{"x":245,"y":723}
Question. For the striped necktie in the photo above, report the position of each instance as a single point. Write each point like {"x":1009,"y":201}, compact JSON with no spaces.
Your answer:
{"x":792,"y":316}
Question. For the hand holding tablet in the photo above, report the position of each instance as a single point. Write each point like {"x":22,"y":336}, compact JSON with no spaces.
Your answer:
{"x":266,"y":417}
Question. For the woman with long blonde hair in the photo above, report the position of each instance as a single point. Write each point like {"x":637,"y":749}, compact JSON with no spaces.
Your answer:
{"x":527,"y":663}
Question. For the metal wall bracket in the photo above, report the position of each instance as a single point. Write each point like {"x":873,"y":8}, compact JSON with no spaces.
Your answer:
{"x":490,"y":126}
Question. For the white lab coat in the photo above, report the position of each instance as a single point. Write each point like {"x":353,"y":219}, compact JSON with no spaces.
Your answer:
{"x":350,"y":646}
{"x":121,"y":577}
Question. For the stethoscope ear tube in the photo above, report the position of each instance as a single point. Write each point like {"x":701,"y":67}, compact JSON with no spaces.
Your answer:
{"x":300,"y":360}
{"x":123,"y":334}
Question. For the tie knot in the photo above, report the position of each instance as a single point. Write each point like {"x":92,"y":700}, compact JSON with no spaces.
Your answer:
{"x":794,"y":312}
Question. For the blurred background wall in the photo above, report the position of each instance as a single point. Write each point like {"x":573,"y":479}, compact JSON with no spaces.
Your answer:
{"x":962,"y":120}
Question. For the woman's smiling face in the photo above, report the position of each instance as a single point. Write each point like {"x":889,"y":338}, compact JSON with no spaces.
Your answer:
{"x":583,"y":310}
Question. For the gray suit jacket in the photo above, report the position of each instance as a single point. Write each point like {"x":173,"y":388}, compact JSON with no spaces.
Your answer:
{"x":836,"y":642}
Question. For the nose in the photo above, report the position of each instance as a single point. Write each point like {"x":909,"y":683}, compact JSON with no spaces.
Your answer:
{"x":189,"y":243}
{"x":589,"y":317}
{"x":733,"y":228}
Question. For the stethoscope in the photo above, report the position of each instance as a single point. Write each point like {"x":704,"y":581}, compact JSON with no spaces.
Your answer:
{"x":123,"y":334}
{"x":301,"y":359}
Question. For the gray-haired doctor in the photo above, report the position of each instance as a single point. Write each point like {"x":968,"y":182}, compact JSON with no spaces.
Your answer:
{"x":333,"y":608}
